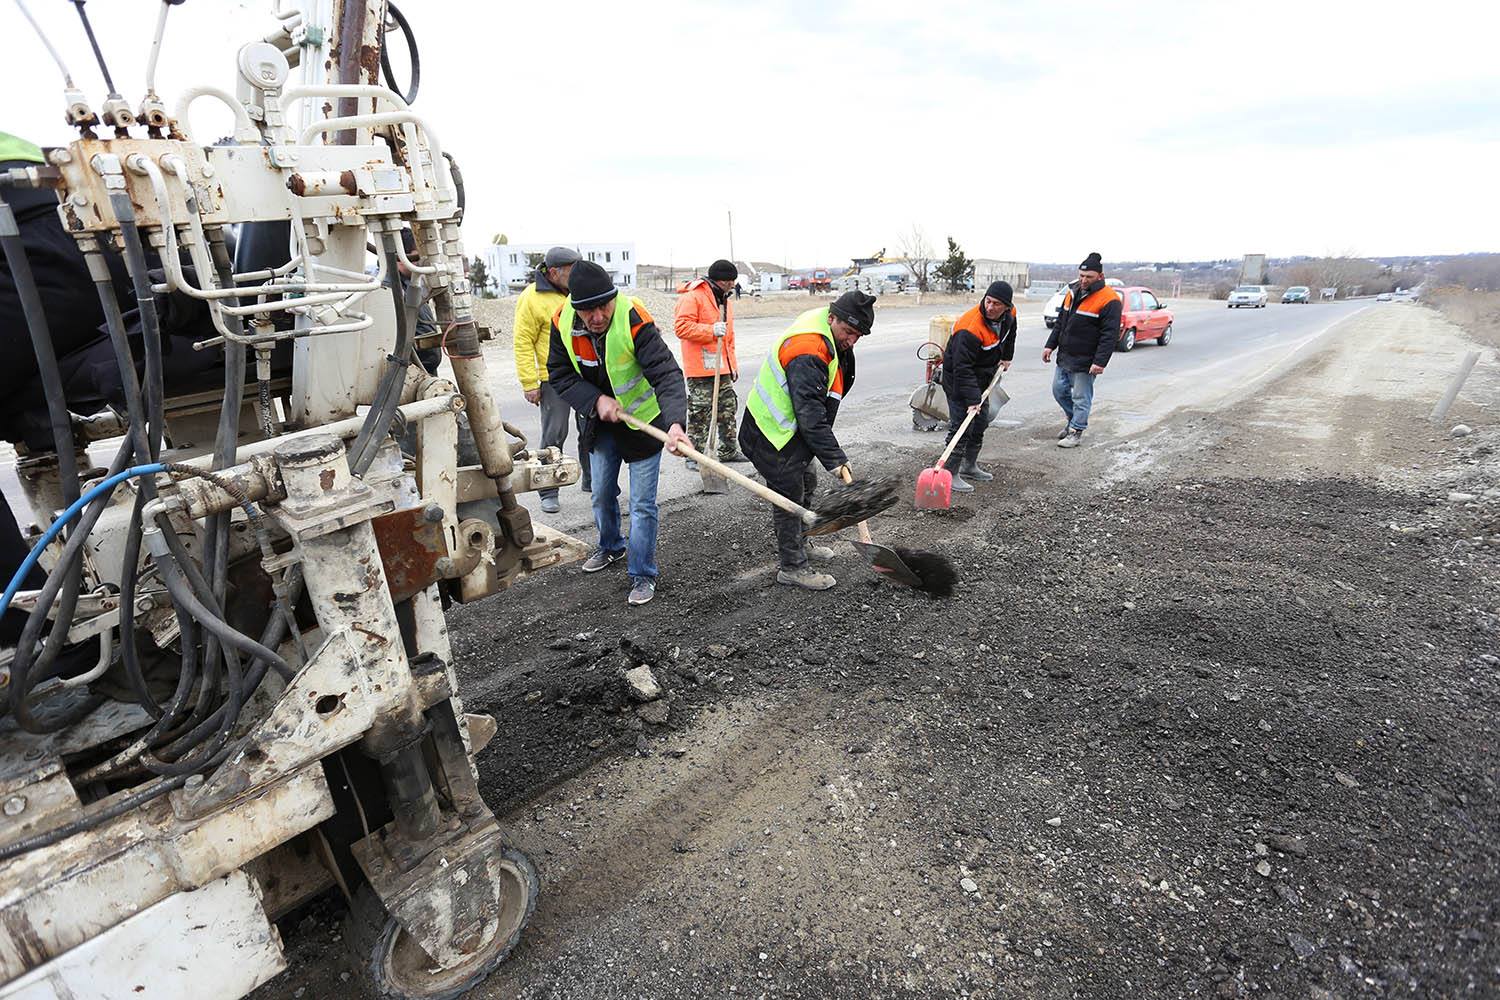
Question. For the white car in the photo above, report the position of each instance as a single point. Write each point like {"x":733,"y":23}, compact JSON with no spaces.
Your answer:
{"x":1054,"y":304}
{"x":1248,"y":295}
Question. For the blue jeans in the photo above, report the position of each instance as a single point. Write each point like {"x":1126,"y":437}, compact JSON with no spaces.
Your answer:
{"x":1074,"y":392}
{"x":604,"y":465}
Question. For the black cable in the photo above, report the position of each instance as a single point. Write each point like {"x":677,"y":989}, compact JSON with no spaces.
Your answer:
{"x":98,"y":55}
{"x":140,"y":281}
{"x":411,"y":48}
{"x":135,"y":409}
{"x":117,"y":808}
{"x":46,"y":358}
{"x":458,"y":185}
{"x":377,"y":423}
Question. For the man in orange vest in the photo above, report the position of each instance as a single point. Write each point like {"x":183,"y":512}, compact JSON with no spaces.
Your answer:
{"x":1084,"y":336}
{"x":983,"y":340}
{"x":704,"y":322}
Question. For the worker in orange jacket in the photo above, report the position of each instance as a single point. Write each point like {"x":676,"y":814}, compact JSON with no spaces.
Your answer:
{"x":704,"y":321}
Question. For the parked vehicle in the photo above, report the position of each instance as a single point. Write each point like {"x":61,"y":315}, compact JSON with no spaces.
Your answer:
{"x":1143,"y":317}
{"x":1297,"y":293}
{"x":1383,"y":297}
{"x":1054,"y":304}
{"x":1249,"y":295}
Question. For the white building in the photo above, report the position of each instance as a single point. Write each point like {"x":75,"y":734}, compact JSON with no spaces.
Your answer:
{"x":1016,"y":272}
{"x":509,"y":265}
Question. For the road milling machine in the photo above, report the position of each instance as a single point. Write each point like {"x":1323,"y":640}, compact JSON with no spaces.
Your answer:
{"x":232,"y":687}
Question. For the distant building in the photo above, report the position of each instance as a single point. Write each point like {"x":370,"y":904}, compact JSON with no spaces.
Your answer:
{"x":509,"y":267}
{"x":987,"y":271}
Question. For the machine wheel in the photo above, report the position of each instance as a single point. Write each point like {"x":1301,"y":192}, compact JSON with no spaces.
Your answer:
{"x":1128,"y":343}
{"x":394,"y":966}
{"x":1166,"y":337}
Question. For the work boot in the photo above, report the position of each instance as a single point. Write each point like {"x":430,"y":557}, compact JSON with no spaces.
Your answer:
{"x":971,"y":469}
{"x":601,"y":560}
{"x":1064,"y":432}
{"x":805,"y":577}
{"x":736,"y":459}
{"x":641,"y":591}
{"x":959,"y":486}
{"x":550,"y":505}
{"x":1072,"y":439}
{"x":822,"y":553}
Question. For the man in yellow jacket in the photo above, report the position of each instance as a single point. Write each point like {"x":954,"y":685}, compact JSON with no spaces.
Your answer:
{"x":534,"y":311}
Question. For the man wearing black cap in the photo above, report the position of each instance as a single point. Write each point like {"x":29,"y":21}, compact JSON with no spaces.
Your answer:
{"x":534,"y":311}
{"x":1084,"y":336}
{"x":704,"y":322}
{"x":608,"y":360}
{"x":983,"y":340}
{"x":790,"y":414}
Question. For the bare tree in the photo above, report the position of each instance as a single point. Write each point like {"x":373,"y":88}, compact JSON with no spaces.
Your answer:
{"x":918,"y":254}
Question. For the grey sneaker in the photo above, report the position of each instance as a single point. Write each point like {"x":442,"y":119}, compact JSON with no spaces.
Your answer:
{"x":1071,"y":440}
{"x":601,"y":560}
{"x":550,"y":505}
{"x":641,"y":591}
{"x":805,"y":577}
{"x":974,"y":472}
{"x":959,"y":486}
{"x":820,"y":552}
{"x":1064,"y":432}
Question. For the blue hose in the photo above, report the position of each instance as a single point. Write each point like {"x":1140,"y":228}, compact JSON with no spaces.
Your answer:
{"x":68,"y":515}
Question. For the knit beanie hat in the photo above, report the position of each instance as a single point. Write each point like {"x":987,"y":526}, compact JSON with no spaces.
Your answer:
{"x":1092,"y":263}
{"x":723,"y":270}
{"x":590,"y":285}
{"x":1002,"y":291}
{"x":855,"y":308}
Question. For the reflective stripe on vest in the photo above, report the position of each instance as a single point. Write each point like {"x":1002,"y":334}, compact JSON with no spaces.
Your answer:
{"x":625,"y":375}
{"x":771,"y":403}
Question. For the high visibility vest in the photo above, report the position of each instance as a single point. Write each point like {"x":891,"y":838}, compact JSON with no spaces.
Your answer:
{"x":625,"y":375}
{"x":771,"y":402}
{"x":13,"y":147}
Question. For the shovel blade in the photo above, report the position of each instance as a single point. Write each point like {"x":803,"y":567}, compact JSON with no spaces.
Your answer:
{"x":886,"y":562}
{"x":713,"y":482}
{"x":934,"y":489}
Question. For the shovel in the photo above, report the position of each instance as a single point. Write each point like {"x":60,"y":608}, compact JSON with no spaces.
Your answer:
{"x":712,"y":481}
{"x":880,"y":558}
{"x":851,"y":506}
{"x":935,"y":485}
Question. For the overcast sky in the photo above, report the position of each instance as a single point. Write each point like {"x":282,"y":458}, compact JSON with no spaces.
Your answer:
{"x":1026,"y":130}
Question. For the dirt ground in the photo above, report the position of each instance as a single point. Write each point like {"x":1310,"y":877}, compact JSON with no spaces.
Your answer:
{"x":1213,"y":713}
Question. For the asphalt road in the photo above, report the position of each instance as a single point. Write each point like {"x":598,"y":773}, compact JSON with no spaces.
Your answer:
{"x":1215,"y":353}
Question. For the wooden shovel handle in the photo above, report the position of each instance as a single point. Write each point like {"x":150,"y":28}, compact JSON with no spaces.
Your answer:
{"x":958,"y":435}
{"x":713,"y":406}
{"x":864,"y":528}
{"x":759,"y":489}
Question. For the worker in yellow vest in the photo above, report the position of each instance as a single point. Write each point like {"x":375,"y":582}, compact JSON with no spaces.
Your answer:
{"x":607,"y":359}
{"x":789,"y":419}
{"x":535,"y":307}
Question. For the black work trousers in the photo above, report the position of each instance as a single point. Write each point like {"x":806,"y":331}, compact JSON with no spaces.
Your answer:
{"x":973,"y":439}
{"x":797,"y":482}
{"x":557,"y":415}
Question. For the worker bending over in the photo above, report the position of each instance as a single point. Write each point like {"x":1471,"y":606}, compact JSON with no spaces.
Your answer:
{"x":789,"y":418}
{"x":607,"y":359}
{"x":983,"y":341}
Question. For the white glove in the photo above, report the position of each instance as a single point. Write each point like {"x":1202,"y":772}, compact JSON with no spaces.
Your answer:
{"x":720,"y":329}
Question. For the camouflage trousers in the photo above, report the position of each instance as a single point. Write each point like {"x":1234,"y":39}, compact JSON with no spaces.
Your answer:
{"x":700,"y":403}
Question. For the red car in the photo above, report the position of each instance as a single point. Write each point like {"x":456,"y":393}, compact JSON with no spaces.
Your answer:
{"x":1143,"y":317}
